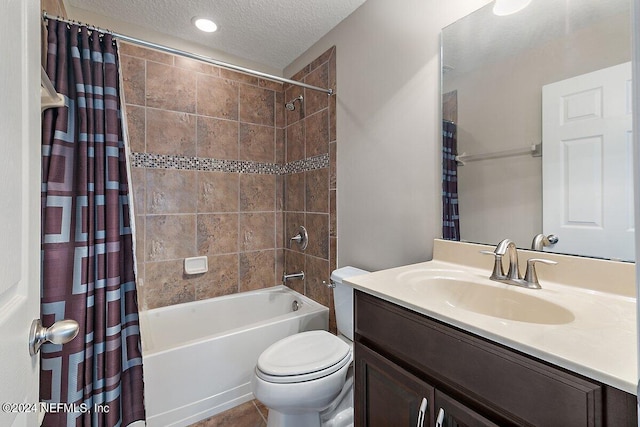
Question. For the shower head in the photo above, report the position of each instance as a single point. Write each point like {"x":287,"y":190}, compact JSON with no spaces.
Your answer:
{"x":291,"y":105}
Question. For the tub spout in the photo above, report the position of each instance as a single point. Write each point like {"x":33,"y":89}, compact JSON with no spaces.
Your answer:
{"x":286,"y":277}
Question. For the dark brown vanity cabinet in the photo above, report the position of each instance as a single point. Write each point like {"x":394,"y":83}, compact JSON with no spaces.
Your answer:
{"x":402,"y":357}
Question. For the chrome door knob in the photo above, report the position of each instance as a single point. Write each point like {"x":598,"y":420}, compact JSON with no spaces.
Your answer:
{"x":60,"y":332}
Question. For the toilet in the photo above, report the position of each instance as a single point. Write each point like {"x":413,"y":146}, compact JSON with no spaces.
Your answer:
{"x":302,"y":378}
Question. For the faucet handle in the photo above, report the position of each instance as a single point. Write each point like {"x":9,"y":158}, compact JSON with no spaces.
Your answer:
{"x":498,"y":272}
{"x":530,"y":275}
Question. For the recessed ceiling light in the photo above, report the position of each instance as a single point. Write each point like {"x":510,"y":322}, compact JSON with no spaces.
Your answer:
{"x":204,"y":24}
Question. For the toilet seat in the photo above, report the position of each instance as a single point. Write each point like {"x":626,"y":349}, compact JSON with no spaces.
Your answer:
{"x":303,"y":357}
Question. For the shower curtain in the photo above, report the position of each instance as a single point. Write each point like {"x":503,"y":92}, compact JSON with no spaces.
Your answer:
{"x":450,"y":216}
{"x":87,"y":244}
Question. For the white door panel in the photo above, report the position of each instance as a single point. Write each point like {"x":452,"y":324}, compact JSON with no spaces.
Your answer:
{"x":587,"y":163}
{"x":19,"y":208}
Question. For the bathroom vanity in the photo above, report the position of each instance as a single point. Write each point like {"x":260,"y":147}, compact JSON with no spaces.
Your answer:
{"x":402,"y":356}
{"x":467,"y":366}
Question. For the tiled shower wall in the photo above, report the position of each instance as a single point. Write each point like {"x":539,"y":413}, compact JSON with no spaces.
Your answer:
{"x":310,"y":195}
{"x":219,"y":170}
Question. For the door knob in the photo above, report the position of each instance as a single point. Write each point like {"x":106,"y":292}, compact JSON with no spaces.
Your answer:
{"x":60,"y":332}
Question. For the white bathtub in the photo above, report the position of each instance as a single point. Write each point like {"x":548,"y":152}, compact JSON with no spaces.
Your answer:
{"x":199,"y":356}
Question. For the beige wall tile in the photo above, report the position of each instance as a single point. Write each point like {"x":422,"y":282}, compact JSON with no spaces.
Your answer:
{"x":279,"y":193}
{"x":146,"y":53}
{"x":332,"y":69}
{"x":294,"y":192}
{"x":169,"y":237}
{"x":217,"y":97}
{"x":281,"y":146}
{"x":170,"y":191}
{"x":332,"y":118}
{"x":333,"y":253}
{"x":315,"y":100}
{"x":257,"y":231}
{"x":295,"y":141}
{"x":324,"y":57}
{"x":217,"y":192}
{"x":333,"y":210}
{"x":317,"y":190}
{"x":257,"y":105}
{"x":333,"y":171}
{"x":136,"y":127}
{"x":133,"y":77}
{"x":217,"y":138}
{"x":279,"y":109}
{"x":139,"y":232}
{"x":170,"y":88}
{"x":256,"y":269}
{"x":257,"y":192}
{"x":316,"y":277}
{"x":217,"y":234}
{"x":170,"y":132}
{"x":139,"y":183}
{"x":194,"y":65}
{"x":318,"y":229}
{"x":257,"y":143}
{"x":279,"y":266}
{"x":167,"y":285}
{"x":269,"y":84}
{"x":221,"y":279}
{"x":317,"y":134}
{"x":238,"y":77}
{"x":280,"y":237}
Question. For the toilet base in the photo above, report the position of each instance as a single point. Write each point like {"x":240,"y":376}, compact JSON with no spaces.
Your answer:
{"x":339,"y":413}
{"x":279,"y":419}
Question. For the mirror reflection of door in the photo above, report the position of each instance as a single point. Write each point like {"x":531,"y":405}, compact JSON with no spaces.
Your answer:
{"x":497,"y":66}
{"x":587,"y":172}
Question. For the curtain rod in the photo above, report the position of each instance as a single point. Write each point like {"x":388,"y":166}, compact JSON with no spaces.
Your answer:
{"x":190,"y":55}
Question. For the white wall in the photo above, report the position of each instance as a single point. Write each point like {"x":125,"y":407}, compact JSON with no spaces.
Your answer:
{"x":388,"y":128}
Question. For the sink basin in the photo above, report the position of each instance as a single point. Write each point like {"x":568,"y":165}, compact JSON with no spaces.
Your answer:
{"x":509,"y":303}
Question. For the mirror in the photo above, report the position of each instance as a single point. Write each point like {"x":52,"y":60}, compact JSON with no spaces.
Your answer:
{"x":538,"y":104}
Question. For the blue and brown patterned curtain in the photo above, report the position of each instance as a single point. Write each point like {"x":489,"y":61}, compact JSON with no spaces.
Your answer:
{"x":87,"y":244}
{"x":450,"y":215}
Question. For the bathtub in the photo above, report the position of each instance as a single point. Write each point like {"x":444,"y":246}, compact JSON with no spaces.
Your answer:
{"x":199,"y":356}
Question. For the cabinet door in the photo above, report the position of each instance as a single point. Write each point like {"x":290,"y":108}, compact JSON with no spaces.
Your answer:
{"x":451,"y":413}
{"x":387,"y":395}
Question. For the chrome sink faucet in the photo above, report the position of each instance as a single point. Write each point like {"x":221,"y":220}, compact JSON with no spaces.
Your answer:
{"x":513,"y":276}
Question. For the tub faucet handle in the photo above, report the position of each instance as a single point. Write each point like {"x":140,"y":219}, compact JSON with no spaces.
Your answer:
{"x":302,"y":238}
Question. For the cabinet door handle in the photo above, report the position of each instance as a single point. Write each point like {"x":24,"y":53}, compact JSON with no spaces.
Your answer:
{"x":440,"y":418}
{"x":421,"y":412}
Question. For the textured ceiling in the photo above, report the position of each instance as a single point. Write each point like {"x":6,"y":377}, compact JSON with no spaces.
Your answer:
{"x":271,"y":32}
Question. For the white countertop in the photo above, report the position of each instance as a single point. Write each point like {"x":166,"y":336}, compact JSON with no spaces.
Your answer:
{"x":598,"y":340}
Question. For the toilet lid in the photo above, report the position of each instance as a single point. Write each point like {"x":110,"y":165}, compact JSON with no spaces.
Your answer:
{"x":304,"y":353}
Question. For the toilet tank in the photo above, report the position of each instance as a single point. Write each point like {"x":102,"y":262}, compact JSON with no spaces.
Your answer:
{"x":343,"y":299}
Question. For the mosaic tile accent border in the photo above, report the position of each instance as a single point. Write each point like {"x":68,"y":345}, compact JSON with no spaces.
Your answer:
{"x":162,"y":161}
{"x":304,"y":165}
